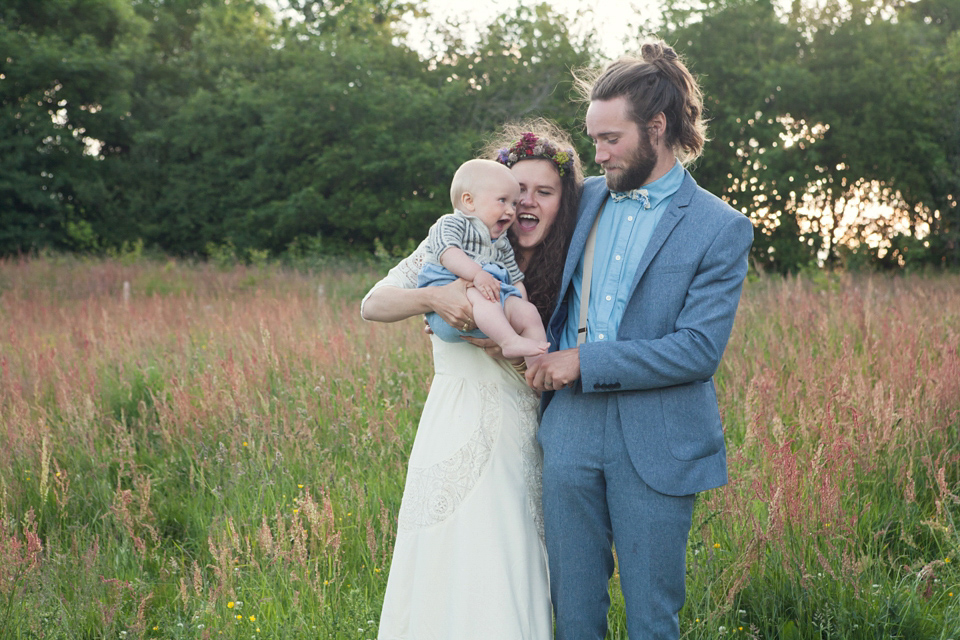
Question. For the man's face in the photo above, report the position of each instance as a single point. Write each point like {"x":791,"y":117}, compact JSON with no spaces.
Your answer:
{"x":623,"y":148}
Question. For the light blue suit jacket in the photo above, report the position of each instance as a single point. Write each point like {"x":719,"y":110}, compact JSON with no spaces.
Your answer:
{"x":671,"y":338}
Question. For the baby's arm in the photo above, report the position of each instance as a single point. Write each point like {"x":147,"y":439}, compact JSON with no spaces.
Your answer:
{"x":459,"y":263}
{"x":463,"y":266}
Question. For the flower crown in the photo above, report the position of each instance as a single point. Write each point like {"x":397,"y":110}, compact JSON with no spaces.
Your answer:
{"x":531,"y":147}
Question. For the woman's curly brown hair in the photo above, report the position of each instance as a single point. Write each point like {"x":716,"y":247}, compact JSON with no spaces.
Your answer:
{"x":542,"y":274}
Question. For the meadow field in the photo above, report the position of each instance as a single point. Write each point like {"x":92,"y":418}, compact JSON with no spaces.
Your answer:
{"x":221,"y":453}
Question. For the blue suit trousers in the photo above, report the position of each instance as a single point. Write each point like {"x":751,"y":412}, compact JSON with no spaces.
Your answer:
{"x":593,"y":498}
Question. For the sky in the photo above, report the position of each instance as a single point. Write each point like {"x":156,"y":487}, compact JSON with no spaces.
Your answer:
{"x":617,"y":20}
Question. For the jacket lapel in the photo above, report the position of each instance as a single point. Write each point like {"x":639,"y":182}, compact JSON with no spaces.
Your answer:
{"x":593,"y":198}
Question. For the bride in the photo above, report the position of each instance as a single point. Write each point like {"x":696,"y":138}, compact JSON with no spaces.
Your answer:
{"x":469,"y":560}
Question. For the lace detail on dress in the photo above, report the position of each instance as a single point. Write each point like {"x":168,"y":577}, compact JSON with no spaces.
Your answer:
{"x":433,"y":493}
{"x":404,"y":275}
{"x":529,"y":405}
{"x":409,"y":268}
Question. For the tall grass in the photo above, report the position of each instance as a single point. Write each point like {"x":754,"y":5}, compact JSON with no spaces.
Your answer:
{"x":223,"y":454}
{"x":841,"y":398}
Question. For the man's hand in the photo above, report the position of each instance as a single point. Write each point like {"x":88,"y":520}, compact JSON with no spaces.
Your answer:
{"x":487,"y":285}
{"x":553,"y":371}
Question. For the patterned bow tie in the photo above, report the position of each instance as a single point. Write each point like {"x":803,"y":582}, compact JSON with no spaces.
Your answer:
{"x":640,"y":195}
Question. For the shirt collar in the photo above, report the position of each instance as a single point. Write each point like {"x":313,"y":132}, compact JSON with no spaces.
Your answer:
{"x":664,"y":186}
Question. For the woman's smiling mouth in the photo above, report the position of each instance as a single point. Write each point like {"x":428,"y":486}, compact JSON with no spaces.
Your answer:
{"x":527,"y":221}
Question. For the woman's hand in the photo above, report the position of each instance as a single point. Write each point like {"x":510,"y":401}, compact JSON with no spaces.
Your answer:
{"x":490,"y":347}
{"x":450,"y":303}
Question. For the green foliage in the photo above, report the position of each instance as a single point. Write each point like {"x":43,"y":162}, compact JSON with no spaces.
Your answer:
{"x":64,"y":89}
{"x":271,"y":126}
{"x":520,"y":69}
{"x":746,"y":160}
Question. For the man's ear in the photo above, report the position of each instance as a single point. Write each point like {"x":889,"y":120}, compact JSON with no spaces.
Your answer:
{"x":657,"y":126}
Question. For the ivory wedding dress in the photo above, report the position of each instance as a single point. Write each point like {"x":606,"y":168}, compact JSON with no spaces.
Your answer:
{"x":469,"y":560}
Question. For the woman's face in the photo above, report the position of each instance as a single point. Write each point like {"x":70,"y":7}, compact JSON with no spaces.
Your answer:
{"x":540,"y":192}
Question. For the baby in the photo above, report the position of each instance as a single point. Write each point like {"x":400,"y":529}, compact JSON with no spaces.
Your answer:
{"x":471,"y":243}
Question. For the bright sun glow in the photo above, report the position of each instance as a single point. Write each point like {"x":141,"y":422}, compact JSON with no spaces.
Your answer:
{"x":618,"y":23}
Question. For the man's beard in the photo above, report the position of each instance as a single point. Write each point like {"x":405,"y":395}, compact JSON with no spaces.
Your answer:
{"x":640,"y":165}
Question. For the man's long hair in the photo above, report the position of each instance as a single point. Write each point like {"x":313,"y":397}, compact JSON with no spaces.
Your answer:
{"x":656,"y":81}
{"x":542,"y":275}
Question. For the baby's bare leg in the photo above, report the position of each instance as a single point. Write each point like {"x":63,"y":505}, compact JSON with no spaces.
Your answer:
{"x":525,"y":320}
{"x":490,"y":319}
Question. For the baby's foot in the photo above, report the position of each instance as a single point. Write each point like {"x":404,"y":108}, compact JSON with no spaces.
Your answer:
{"x":520,"y":347}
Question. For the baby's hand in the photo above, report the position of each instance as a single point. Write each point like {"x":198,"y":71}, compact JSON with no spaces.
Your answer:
{"x":487,"y":285}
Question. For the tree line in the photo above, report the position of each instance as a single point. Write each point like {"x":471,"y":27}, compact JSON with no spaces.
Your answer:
{"x":312,"y":127}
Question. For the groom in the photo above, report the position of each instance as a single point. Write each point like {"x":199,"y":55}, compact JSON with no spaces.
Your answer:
{"x":630,"y":428}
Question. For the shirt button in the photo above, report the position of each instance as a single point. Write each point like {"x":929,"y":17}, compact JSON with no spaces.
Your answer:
{"x":629,"y":218}
{"x":618,"y":257}
{"x":600,"y":336}
{"x":609,"y":298}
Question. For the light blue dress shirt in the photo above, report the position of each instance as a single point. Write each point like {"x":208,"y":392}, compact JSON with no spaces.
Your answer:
{"x":623,"y":233}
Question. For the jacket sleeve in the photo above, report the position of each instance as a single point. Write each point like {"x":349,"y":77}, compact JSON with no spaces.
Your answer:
{"x":692,"y":351}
